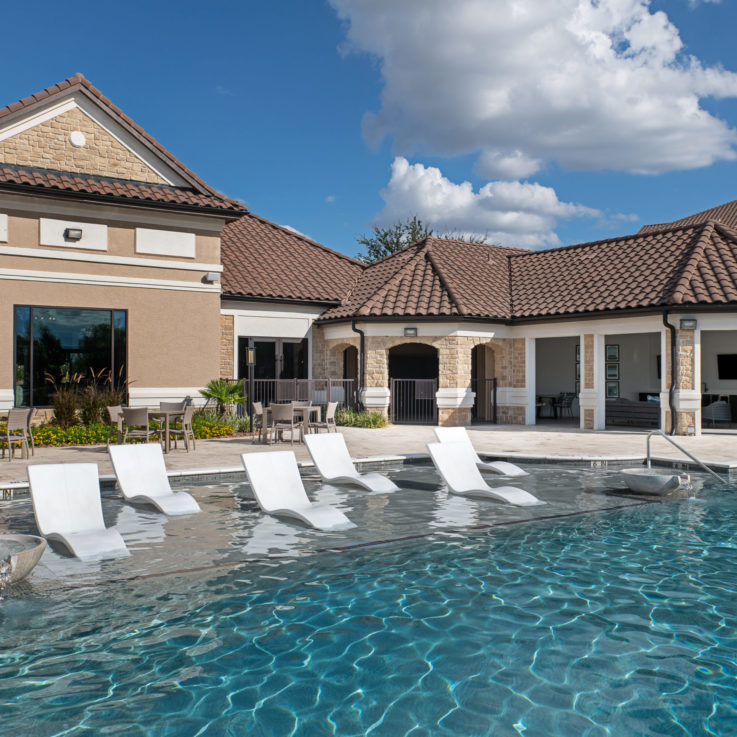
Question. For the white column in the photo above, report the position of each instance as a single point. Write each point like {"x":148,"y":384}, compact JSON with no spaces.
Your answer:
{"x":697,"y":380}
{"x":664,"y":369}
{"x":530,"y":369}
{"x":599,"y":382}
{"x":583,"y":393}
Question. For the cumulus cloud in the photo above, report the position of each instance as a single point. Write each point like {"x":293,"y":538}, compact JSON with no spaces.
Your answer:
{"x":589,"y":84}
{"x":507,"y":213}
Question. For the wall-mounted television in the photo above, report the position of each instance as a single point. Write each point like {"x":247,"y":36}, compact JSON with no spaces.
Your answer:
{"x":727,"y":365}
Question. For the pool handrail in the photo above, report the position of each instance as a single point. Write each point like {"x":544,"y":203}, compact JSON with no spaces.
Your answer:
{"x":683,"y":450}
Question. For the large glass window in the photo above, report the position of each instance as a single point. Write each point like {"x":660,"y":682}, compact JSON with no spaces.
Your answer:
{"x":60,"y":342}
{"x":276,"y":358}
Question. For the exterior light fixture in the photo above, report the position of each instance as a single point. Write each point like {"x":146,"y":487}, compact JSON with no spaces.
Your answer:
{"x":73,"y":234}
{"x":211,"y":277}
{"x":251,"y":357}
{"x":688,"y":323}
{"x":410,"y":332}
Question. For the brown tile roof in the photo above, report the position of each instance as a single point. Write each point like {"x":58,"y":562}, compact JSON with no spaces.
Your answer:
{"x":78,"y":83}
{"x":265,"y":260}
{"x":725,"y":214}
{"x":25,"y":178}
{"x":451,"y":279}
{"x":433,"y":277}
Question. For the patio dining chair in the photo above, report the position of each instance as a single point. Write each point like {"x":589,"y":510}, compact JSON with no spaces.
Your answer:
{"x":329,"y":423}
{"x":283,"y":418}
{"x":31,"y":415}
{"x":17,"y":432}
{"x":184,"y":429}
{"x":116,"y":423}
{"x":262,"y":421}
{"x":564,"y":403}
{"x":136,"y":424}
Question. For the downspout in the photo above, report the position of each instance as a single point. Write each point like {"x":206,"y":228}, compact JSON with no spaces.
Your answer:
{"x":361,"y":362}
{"x":673,"y":367}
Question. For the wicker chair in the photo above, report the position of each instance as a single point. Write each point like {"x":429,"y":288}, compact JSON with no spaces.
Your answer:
{"x":261,"y":422}
{"x":282,"y":416}
{"x":136,"y":424}
{"x":329,"y":422}
{"x":185,"y":430}
{"x":17,"y":432}
{"x":564,"y":404}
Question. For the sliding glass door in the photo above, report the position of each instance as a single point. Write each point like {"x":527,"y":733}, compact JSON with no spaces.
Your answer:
{"x":276,"y":358}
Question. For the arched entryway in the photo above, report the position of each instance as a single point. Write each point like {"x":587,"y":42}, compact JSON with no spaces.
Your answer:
{"x":413,"y":379}
{"x":483,"y":373}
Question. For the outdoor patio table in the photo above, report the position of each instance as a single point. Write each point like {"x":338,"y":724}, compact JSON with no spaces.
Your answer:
{"x":305,"y":412}
{"x":549,"y":400}
{"x":167,"y":416}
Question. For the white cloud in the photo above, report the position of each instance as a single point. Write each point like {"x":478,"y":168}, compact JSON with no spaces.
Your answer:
{"x":589,"y":84}
{"x":330,"y":198}
{"x":695,"y":3}
{"x":507,"y":213}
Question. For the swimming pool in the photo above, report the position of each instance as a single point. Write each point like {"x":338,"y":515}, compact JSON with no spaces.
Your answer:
{"x":620,"y":622}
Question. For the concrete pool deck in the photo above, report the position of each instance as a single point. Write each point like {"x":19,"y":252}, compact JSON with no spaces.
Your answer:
{"x":563,"y":442}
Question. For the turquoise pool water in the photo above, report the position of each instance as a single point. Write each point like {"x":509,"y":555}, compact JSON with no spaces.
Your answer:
{"x":612,"y":623}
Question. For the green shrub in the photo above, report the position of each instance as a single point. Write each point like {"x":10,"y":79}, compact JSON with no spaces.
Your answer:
{"x":224,"y":393}
{"x":352,"y":418}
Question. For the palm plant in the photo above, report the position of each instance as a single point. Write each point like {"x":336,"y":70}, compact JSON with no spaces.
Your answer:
{"x":224,"y":393}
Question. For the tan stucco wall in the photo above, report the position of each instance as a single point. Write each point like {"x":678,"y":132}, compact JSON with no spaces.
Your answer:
{"x":47,"y":146}
{"x":173,"y":336}
{"x":24,"y":231}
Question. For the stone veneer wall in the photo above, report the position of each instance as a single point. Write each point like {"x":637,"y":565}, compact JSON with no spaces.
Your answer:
{"x":454,"y":365}
{"x":47,"y":146}
{"x":587,"y":377}
{"x":685,"y":378}
{"x":227,"y":346}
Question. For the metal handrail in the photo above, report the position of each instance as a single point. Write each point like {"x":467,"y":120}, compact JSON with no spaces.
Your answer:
{"x":684,"y":451}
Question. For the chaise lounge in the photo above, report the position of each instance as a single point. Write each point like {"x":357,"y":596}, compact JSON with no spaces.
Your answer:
{"x":67,"y":507}
{"x":278,"y":488}
{"x":141,"y":474}
{"x":333,"y":462}
{"x":460,"y":435}
{"x":456,"y":463}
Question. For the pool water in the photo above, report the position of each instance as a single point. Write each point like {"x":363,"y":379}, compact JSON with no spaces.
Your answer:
{"x":610,"y":623}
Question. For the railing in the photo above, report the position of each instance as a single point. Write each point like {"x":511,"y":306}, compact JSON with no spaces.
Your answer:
{"x":413,"y":401}
{"x":484,"y":404}
{"x":317,"y":391}
{"x":683,"y":450}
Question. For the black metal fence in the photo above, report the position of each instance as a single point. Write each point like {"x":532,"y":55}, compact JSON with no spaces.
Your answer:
{"x":413,"y":401}
{"x":484,"y":405}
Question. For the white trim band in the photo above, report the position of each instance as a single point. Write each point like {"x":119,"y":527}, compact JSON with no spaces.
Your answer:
{"x":107,"y":281}
{"x":103,"y":258}
{"x":454,"y":398}
{"x":6,"y":399}
{"x":375,"y":397}
{"x":151,"y":396}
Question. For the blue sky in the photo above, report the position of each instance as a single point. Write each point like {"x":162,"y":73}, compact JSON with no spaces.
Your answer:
{"x":268,"y":103}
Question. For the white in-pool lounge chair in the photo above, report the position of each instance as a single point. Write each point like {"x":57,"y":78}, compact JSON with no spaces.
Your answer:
{"x":141,"y":473}
{"x":456,"y":463}
{"x":277,"y":486}
{"x":459,"y":435}
{"x":333,"y":462}
{"x":67,"y":507}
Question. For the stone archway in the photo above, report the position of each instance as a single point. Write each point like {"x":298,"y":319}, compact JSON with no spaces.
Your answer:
{"x":413,"y":380}
{"x":483,"y":379}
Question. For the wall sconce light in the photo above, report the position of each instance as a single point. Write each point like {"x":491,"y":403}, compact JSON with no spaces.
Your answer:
{"x":73,"y":234}
{"x":688,"y":323}
{"x":211,"y":277}
{"x":251,"y":357}
{"x":410,"y":332}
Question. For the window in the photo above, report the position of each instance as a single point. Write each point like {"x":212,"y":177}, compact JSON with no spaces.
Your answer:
{"x":276,"y":358}
{"x":62,"y":341}
{"x":727,"y":366}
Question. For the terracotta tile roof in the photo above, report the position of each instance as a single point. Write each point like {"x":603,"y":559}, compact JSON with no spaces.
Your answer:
{"x":725,"y":214}
{"x":265,"y":260}
{"x":433,"y":277}
{"x":451,"y":279}
{"x":25,"y":178}
{"x":693,"y":264}
{"x":78,"y":83}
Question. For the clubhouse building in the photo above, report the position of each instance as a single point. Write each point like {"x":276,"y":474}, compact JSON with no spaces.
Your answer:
{"x":115,"y":257}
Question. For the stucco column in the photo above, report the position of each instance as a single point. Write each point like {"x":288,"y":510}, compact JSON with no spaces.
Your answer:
{"x":592,"y":398}
{"x":687,"y":395}
{"x":530,"y":371}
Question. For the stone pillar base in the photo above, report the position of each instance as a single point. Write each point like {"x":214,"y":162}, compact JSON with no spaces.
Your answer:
{"x":454,"y":417}
{"x":511,"y":415}
{"x":376,"y":399}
